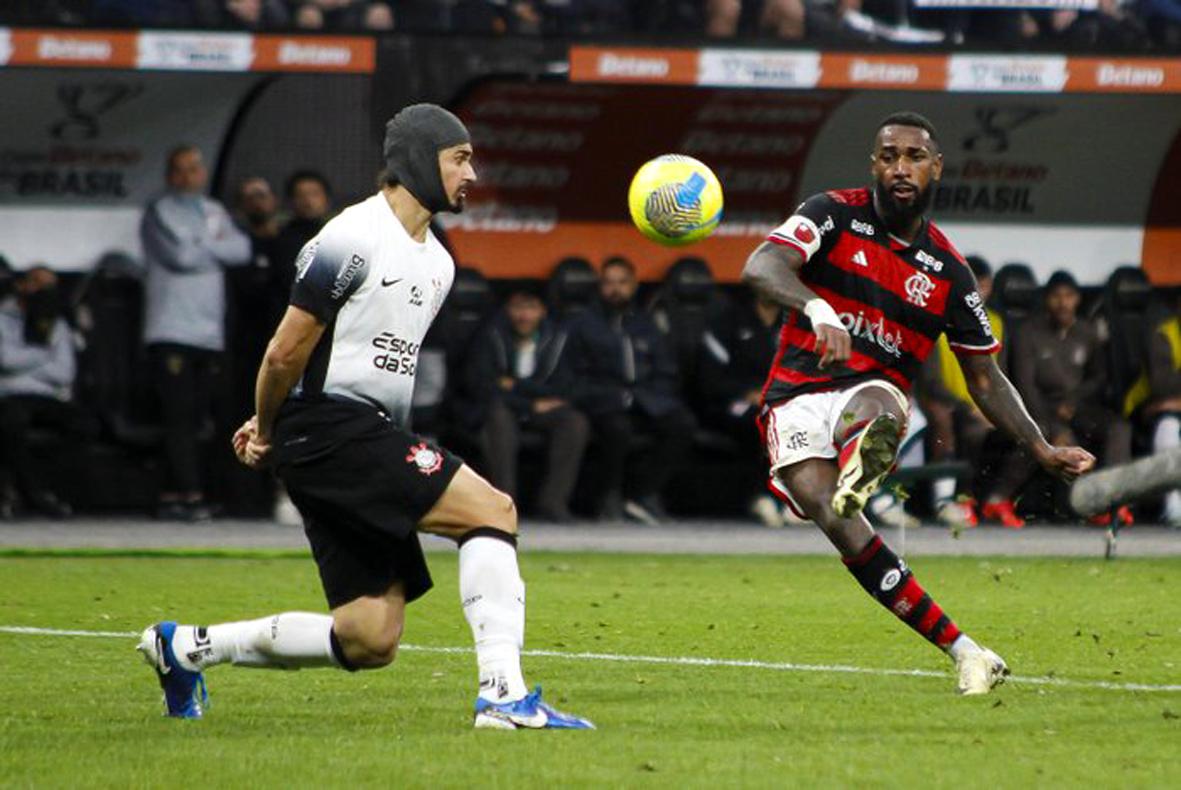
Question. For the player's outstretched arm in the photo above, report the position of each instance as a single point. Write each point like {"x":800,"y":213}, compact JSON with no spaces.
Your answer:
{"x":1002,"y":405}
{"x":772,"y":270}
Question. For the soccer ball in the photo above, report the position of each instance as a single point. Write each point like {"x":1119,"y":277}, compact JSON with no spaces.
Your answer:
{"x":675,"y":200}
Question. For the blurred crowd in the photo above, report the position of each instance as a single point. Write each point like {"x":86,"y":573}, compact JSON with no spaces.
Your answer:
{"x":586,"y":395}
{"x":1112,"y":24}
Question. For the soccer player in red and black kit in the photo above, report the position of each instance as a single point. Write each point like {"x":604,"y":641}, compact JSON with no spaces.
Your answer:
{"x":870,"y":284}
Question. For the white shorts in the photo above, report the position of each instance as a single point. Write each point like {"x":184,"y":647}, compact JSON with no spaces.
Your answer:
{"x":805,"y":427}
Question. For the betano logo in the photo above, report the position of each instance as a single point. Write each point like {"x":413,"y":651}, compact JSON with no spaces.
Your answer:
{"x":883,"y":72}
{"x":71,"y":48}
{"x":612,"y":65}
{"x":1129,"y":76}
{"x":292,"y":53}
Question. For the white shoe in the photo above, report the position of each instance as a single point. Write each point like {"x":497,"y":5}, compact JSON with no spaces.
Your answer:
{"x":766,"y":510}
{"x":890,"y":512}
{"x":1172,"y":512}
{"x":955,"y":515}
{"x":979,"y":671}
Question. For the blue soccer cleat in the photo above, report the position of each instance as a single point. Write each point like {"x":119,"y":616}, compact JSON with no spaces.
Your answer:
{"x":185,"y":695}
{"x":527,"y":713}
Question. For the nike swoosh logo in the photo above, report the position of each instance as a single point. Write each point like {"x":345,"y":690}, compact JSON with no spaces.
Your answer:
{"x":386,"y":282}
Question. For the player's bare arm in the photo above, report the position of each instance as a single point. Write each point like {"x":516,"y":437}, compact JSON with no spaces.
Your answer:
{"x":1002,"y":405}
{"x":772,"y":270}
{"x":282,"y":366}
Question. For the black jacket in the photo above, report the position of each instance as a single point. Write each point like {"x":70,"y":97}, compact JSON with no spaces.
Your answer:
{"x":491,"y":358}
{"x":620,"y":361}
{"x":736,"y":353}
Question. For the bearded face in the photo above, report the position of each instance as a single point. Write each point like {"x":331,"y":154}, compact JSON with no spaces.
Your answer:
{"x":906,"y":166}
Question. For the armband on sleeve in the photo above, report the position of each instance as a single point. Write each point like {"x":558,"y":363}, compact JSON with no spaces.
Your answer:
{"x":799,"y":233}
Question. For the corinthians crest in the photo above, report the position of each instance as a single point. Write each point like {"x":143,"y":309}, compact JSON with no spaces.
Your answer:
{"x":426,"y":459}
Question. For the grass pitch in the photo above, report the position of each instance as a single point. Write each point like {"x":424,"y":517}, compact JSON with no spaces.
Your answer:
{"x":85,"y":711}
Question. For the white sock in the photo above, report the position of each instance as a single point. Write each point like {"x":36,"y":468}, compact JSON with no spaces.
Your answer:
{"x":493,"y":598}
{"x":283,"y":641}
{"x":1167,"y":436}
{"x":944,"y":490}
{"x":1172,"y":513}
{"x":962,"y":645}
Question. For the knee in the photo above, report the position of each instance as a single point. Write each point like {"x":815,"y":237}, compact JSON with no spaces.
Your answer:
{"x":503,"y":513}
{"x":370,"y":645}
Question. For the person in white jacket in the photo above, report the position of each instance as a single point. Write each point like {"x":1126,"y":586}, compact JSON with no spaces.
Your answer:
{"x":37,"y":369}
{"x":188,"y":239}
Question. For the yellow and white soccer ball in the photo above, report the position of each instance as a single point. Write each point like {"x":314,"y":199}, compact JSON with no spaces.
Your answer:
{"x":675,"y":200}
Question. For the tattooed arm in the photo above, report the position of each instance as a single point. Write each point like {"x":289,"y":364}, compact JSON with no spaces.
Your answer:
{"x":1000,"y":403}
{"x":773,"y":271}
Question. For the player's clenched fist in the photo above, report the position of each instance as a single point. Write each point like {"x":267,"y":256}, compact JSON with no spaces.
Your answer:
{"x":1067,"y":463}
{"x":833,"y":343}
{"x":251,"y":449}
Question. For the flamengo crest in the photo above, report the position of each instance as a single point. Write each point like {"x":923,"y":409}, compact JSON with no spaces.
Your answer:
{"x":918,"y":289}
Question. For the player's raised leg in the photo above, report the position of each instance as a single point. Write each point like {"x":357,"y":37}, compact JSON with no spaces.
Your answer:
{"x":886,"y":577}
{"x":483,"y":521}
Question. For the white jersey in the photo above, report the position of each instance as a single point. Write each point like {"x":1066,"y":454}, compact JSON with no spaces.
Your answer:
{"x":378,"y":290}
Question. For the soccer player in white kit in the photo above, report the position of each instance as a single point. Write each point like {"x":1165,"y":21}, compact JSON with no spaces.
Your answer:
{"x":332,"y":401}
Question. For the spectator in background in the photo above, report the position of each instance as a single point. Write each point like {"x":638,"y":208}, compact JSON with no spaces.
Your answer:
{"x":1162,"y":18}
{"x":247,"y":14}
{"x":343,"y":14}
{"x":141,"y":13}
{"x":188,"y":238}
{"x":251,"y":303}
{"x":588,"y":17}
{"x":37,"y":368}
{"x":1110,"y":24}
{"x":782,"y":18}
{"x":626,"y":381}
{"x":309,"y":197}
{"x":258,"y":211}
{"x":956,"y":429}
{"x":519,"y":379}
{"x":1059,"y":368}
{"x":1163,"y":408}
{"x":736,"y":352}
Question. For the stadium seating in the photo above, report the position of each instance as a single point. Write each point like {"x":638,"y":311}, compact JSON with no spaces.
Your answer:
{"x":572,"y":286}
{"x":1122,"y":313}
{"x":680,"y":308}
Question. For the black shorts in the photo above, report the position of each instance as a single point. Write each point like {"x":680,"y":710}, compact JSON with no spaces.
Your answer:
{"x":362,"y":485}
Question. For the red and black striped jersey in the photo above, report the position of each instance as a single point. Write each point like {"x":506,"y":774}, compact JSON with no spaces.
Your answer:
{"x":894,"y":298}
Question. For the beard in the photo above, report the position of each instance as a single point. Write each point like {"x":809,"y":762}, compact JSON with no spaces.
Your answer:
{"x":901,"y":215}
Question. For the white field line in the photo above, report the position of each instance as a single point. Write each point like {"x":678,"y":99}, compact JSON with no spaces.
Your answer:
{"x":686,"y":661}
